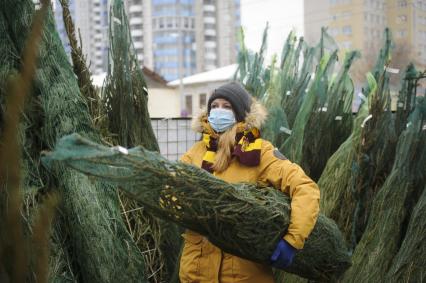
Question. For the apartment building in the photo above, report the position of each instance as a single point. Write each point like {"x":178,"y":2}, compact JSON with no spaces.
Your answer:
{"x":359,"y":24}
{"x":177,"y":38}
{"x":91,"y":21}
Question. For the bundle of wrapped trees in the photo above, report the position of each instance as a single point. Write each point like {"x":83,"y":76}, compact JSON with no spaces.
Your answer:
{"x":228,"y":214}
{"x":122,"y":117}
{"x":92,"y":242}
{"x":125,"y":96}
{"x":303,"y":100}
{"x":381,"y":240}
{"x":330,"y":122}
{"x":340,"y":199}
{"x":22,"y":257}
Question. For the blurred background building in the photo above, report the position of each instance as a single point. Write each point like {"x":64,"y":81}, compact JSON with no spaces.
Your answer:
{"x":178,"y":38}
{"x":175,"y":38}
{"x":91,"y":20}
{"x":359,"y":24}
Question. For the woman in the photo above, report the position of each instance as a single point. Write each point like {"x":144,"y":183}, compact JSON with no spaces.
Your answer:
{"x":232,"y":150}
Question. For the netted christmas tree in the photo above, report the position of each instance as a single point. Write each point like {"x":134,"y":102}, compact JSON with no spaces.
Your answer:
{"x":251,"y":71}
{"x":228,"y":214}
{"x":339,"y":199}
{"x":125,"y":95}
{"x":408,"y":264}
{"x":90,"y":230}
{"x":26,"y":220}
{"x":288,"y":82}
{"x":293,"y":146}
{"x":330,"y":122}
{"x":392,"y":205}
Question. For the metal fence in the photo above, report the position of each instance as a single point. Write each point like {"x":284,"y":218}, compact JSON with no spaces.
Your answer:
{"x":174,"y":136}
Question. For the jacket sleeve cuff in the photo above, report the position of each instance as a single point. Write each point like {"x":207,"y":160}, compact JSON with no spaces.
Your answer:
{"x":292,"y":240}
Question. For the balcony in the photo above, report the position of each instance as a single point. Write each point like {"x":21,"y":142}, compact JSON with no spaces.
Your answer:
{"x":210,"y":56}
{"x":96,"y":18}
{"x":136,"y":21}
{"x":136,"y":32}
{"x":210,"y":32}
{"x":97,"y":8}
{"x":138,"y":44}
{"x":209,"y":8}
{"x":210,"y":44}
{"x":209,"y":20}
{"x":135,"y":8}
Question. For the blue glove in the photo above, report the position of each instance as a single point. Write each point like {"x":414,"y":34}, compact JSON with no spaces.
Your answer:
{"x":283,"y":255}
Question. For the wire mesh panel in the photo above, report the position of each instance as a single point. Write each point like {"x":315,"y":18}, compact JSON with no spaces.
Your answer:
{"x":174,"y":136}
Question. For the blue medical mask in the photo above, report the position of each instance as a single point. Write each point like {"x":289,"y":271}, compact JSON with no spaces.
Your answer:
{"x":221,"y":119}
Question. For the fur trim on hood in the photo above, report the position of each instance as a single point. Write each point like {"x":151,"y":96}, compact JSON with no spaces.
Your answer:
{"x":254,"y":119}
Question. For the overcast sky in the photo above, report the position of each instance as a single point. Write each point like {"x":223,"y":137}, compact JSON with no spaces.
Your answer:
{"x":282,"y":15}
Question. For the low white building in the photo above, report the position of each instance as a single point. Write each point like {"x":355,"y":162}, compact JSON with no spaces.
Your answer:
{"x":163,"y":100}
{"x":198,"y":88}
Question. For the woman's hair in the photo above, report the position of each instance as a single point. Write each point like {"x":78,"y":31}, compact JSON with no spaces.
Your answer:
{"x":225,"y":147}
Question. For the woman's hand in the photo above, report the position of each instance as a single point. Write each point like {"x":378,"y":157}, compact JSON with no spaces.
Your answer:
{"x":283,"y":255}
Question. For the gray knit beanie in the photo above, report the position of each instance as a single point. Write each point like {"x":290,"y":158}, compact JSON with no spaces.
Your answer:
{"x":239,"y":98}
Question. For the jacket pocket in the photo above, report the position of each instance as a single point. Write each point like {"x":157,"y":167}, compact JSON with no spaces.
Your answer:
{"x":189,"y":270}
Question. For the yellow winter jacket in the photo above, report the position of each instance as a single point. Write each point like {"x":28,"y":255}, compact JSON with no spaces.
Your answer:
{"x":203,"y":262}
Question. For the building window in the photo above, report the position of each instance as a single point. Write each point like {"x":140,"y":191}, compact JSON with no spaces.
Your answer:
{"x":346,"y":15}
{"x":346,"y":45}
{"x":209,"y":26}
{"x":203,"y":99}
{"x":347,"y":30}
{"x":401,"y":19}
{"x":210,"y":50}
{"x":209,"y":14}
{"x":366,"y":32}
{"x":402,"y":33}
{"x":402,"y":4}
{"x":169,"y":22}
{"x":188,"y":104}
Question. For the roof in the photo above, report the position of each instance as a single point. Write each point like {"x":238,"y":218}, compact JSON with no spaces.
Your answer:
{"x":220,"y":74}
{"x":98,"y":80}
{"x":153,"y":75}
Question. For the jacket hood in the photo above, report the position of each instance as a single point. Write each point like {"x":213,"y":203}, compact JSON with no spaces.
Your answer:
{"x":254,"y":119}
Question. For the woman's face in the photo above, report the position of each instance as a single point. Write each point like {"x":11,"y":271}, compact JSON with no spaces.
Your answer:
{"x":221,"y":103}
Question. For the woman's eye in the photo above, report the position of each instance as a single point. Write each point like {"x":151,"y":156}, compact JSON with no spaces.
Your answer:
{"x":227,"y":106}
{"x":214,"y":106}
